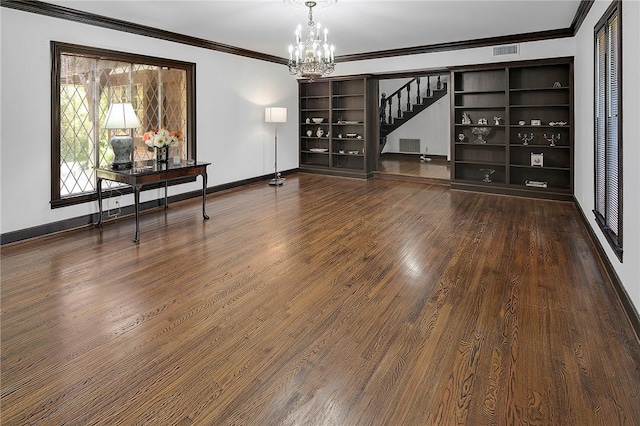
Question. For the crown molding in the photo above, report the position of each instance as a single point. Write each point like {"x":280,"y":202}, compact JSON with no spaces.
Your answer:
{"x":581,"y":14}
{"x":458,"y":45}
{"x":47,"y":9}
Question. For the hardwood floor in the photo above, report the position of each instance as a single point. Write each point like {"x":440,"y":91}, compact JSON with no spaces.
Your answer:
{"x":411,"y":166}
{"x":328,"y":301}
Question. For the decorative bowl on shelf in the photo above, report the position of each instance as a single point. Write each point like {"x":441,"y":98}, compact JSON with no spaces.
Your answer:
{"x":352,"y":135}
{"x":319,"y":149}
{"x":353,"y":152}
{"x":317,"y":120}
{"x":481,"y":133}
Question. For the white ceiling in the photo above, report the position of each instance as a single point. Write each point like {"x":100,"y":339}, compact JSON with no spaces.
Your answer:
{"x":356,"y":26}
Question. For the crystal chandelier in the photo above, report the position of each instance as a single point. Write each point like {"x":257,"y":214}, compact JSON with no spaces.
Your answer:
{"x":313,"y":57}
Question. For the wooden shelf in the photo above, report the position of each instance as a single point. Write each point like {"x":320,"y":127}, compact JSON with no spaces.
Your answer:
{"x":494,"y":182}
{"x":481,"y":163}
{"x":541,"y":106}
{"x":533,"y":146}
{"x":540,"y":89}
{"x":481,"y":125}
{"x":343,"y":99}
{"x":479,"y":144}
{"x":480,"y":107}
{"x":540,"y":168}
{"x":476,"y":92}
{"x":542,"y":126}
{"x":516,"y":91}
{"x":549,"y":188}
{"x":315,"y":152}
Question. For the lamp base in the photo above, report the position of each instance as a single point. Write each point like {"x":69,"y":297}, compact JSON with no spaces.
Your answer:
{"x":122,"y":149}
{"x":276,"y":182}
{"x":122,"y":166}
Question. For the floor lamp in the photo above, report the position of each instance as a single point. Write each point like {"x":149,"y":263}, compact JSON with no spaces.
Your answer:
{"x":275,"y":115}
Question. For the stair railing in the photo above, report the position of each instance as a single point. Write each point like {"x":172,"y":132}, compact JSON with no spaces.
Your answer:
{"x":383,"y":108}
{"x":386,"y":102}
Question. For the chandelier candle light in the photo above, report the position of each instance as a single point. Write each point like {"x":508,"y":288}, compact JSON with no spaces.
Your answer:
{"x":313,"y":57}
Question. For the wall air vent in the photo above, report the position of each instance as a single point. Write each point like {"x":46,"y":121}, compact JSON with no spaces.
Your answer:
{"x":410,"y":146}
{"x":511,"y":49}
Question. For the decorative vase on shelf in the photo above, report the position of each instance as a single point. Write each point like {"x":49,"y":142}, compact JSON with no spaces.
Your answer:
{"x":162,"y":153}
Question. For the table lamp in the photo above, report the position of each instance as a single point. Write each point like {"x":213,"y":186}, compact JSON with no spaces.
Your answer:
{"x":275,"y":115}
{"x":121,"y":116}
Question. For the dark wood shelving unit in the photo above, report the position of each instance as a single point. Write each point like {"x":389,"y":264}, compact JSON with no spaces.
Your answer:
{"x":537,"y":93}
{"x":348,"y":136}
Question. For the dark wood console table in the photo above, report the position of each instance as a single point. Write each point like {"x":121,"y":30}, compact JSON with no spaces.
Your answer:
{"x":149,"y":172}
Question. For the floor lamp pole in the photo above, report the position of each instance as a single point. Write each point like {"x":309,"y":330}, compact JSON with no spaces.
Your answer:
{"x":276,"y":181}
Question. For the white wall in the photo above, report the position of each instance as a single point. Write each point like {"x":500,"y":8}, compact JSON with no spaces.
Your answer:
{"x":629,"y":269}
{"x":431,"y":126}
{"x":581,"y":47}
{"x":481,"y":55}
{"x":231,"y":94}
{"x":438,"y":139}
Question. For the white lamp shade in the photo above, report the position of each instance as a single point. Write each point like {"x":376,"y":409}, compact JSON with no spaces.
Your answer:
{"x":121,"y":116}
{"x":275,"y":115}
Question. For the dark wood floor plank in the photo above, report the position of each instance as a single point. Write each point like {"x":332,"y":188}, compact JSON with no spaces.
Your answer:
{"x":326,"y":301}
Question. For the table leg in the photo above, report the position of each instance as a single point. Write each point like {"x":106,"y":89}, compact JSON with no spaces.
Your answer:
{"x":99,"y":183}
{"x":166,"y":204}
{"x":136,"y":202}
{"x":204,"y":194}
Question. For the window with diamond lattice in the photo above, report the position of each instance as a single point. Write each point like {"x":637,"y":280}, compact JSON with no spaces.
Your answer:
{"x":85,"y":83}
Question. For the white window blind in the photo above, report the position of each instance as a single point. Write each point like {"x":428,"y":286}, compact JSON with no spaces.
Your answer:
{"x":608,"y":141}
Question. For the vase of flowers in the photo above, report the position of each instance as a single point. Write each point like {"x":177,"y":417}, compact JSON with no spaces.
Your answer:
{"x":162,"y":153}
{"x":161,"y":140}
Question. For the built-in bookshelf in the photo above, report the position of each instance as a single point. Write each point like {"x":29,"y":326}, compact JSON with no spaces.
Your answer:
{"x":512,"y":128}
{"x":337,"y":133}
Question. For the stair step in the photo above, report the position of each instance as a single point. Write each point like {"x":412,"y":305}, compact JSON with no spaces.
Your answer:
{"x":416,"y":108}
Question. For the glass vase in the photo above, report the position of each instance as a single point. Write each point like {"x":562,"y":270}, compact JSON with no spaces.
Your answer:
{"x":162,"y":154}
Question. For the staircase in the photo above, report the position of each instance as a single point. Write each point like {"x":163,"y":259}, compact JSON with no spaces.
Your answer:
{"x":392,"y":115}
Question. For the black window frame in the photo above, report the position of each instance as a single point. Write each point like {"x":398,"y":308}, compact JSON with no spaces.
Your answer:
{"x":614,"y":238}
{"x":58,"y":48}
